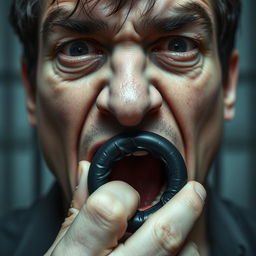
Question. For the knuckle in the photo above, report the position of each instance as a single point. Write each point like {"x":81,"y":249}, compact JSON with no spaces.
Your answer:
{"x":106,"y":209}
{"x":168,"y":237}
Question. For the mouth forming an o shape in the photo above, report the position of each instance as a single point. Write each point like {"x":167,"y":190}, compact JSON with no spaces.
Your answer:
{"x":119,"y":147}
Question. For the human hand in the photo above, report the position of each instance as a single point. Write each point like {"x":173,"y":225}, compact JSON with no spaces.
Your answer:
{"x":97,"y":223}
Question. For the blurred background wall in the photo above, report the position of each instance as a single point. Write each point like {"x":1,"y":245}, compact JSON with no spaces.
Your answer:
{"x":24,"y":176}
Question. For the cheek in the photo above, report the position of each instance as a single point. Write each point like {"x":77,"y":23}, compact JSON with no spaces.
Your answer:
{"x":66,"y":103}
{"x":206,"y":104}
{"x":193,"y":101}
{"x":196,"y":105}
{"x":62,"y":108}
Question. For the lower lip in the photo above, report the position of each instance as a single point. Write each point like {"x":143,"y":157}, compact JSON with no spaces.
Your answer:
{"x":155,"y":201}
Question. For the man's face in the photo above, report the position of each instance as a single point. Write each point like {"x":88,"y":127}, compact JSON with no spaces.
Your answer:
{"x":99,"y":75}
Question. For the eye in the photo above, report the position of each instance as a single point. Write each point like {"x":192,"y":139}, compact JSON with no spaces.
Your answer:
{"x":179,"y":44}
{"x":177,"y":53}
{"x":176,"y":45}
{"x":80,"y":48}
{"x":77,"y":49}
{"x":76,"y":58}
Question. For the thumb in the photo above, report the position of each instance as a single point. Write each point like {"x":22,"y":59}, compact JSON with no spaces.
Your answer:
{"x":80,"y":196}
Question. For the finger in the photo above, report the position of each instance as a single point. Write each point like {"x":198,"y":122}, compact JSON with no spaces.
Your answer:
{"x":190,"y":249}
{"x":164,"y":233}
{"x":102,"y":221}
{"x":79,"y":197}
{"x":80,"y":194}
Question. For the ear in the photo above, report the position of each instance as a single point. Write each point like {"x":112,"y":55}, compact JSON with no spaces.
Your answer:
{"x":230,"y":87}
{"x":30,"y":93}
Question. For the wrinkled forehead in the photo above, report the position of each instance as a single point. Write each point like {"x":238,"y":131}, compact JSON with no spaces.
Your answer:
{"x":134,"y":10}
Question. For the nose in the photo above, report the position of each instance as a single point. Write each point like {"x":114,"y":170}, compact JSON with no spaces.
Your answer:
{"x":129,"y":95}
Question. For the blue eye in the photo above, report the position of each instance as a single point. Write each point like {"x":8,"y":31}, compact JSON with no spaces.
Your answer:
{"x":77,"y":49}
{"x":179,"y":44}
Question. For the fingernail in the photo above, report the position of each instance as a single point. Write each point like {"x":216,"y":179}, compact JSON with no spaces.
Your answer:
{"x":200,"y":190}
{"x":81,"y":193}
{"x":79,"y":172}
{"x":82,"y":167}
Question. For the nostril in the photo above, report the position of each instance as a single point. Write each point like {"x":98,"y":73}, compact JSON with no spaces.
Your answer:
{"x":129,"y":111}
{"x":102,"y":100}
{"x":128,"y":115}
{"x":126,"y":112}
{"x":156,"y":99}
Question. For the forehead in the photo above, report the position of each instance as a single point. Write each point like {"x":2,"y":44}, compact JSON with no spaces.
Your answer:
{"x":103,"y":8}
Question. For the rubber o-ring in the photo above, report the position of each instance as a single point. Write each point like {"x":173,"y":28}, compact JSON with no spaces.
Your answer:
{"x":119,"y":146}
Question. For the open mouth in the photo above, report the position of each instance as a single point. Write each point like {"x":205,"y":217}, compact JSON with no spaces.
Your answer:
{"x":125,"y":157}
{"x":145,"y":173}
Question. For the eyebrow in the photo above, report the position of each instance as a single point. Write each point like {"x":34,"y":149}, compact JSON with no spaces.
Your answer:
{"x":182,"y":15}
{"x":63,"y":18}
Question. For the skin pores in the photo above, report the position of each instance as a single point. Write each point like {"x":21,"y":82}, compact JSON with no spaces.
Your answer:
{"x":102,"y":75}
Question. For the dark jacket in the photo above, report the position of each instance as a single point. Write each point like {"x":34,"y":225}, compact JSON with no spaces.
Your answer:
{"x":32,"y":231}
{"x":231,"y":230}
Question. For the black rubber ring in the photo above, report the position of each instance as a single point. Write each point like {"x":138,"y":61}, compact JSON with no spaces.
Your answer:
{"x":119,"y":146}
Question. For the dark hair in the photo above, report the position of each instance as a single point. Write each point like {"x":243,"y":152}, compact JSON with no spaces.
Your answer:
{"x":227,"y":15}
{"x":25,"y":14}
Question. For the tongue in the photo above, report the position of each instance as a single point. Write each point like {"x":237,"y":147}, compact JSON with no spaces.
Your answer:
{"x":143,"y":173}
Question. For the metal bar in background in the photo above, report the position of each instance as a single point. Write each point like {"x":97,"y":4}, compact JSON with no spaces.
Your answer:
{"x":251,"y":45}
{"x":8,"y":119}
